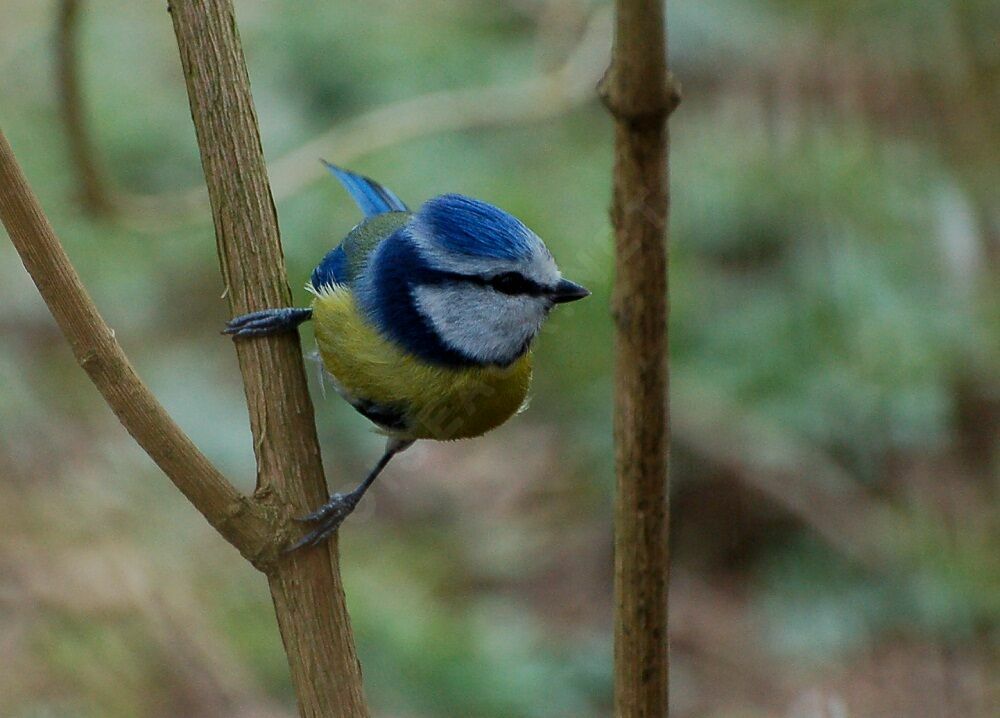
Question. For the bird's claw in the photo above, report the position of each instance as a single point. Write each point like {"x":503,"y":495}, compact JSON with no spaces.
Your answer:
{"x":329,"y":517}
{"x":266,"y":321}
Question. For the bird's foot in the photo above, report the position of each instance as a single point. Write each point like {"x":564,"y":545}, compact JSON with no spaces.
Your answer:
{"x":267,"y":321}
{"x":328,"y":519}
{"x":330,"y":515}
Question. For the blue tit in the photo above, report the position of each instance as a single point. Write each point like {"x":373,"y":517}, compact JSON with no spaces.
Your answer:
{"x":424,"y":320}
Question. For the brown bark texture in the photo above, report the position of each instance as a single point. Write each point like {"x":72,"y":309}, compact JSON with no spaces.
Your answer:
{"x":305,"y":585}
{"x":640,"y":95}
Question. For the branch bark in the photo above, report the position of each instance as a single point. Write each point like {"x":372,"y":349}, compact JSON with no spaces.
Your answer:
{"x":640,"y":95}
{"x":305,"y":586}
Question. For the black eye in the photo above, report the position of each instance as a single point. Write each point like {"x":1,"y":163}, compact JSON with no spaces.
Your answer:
{"x":511,"y":283}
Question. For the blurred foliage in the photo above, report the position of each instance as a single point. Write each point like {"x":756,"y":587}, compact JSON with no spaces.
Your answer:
{"x":834,"y":340}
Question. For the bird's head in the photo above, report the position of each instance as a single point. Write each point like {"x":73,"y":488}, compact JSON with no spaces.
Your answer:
{"x":486,"y":282}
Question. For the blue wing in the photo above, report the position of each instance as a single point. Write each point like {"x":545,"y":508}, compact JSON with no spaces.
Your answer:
{"x":369,"y":195}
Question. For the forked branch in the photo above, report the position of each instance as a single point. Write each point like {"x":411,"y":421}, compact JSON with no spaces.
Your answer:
{"x":305,"y":585}
{"x":306,"y":588}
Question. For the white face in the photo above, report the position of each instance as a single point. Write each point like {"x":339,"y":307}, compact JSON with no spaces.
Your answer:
{"x":480,"y":321}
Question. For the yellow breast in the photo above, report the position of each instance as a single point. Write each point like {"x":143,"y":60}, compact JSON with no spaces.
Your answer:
{"x":438,"y":402}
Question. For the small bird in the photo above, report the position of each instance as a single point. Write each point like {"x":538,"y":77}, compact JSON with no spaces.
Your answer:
{"x":424,"y":321}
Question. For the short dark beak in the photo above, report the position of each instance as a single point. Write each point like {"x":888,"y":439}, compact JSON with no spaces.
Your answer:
{"x":567,"y":291}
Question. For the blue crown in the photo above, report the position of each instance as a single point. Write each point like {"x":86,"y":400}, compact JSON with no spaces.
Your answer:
{"x":468,"y":226}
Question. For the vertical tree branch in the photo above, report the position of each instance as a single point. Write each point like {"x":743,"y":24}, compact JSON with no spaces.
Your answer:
{"x":640,"y":95}
{"x":91,"y":186}
{"x":306,"y":586}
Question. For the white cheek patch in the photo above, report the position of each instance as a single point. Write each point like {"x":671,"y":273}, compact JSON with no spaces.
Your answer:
{"x":479,"y":322}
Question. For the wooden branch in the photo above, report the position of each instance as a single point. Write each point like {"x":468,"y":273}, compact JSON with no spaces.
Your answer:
{"x":637,"y":92}
{"x":93,"y":192}
{"x":306,"y":586}
{"x":93,"y":342}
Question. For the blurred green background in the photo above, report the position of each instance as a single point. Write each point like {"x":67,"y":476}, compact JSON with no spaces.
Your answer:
{"x":834,"y":335}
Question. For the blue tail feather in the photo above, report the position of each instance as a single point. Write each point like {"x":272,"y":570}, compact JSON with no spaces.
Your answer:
{"x":369,"y":195}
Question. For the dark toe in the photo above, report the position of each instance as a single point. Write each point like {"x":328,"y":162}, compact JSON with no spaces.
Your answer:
{"x":318,"y":536}
{"x":248,"y":325}
{"x":266,"y":321}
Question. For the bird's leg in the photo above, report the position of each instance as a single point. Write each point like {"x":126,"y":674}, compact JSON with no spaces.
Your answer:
{"x":330,"y":515}
{"x":267,"y":321}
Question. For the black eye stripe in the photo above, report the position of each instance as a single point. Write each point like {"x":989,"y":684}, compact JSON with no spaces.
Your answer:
{"x":510,"y":283}
{"x":514,"y":283}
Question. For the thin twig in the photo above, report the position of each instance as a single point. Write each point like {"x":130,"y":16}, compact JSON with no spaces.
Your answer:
{"x":538,"y":98}
{"x":799,"y":479}
{"x":93,"y":192}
